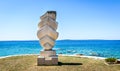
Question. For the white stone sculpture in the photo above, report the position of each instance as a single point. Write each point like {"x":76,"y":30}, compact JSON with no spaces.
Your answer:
{"x":47,"y":35}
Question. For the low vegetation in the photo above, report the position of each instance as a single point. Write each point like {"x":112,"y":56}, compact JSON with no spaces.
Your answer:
{"x":29,"y":63}
{"x":111,"y":60}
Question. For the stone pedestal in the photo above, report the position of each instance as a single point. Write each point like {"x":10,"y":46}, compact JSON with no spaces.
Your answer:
{"x":52,"y":60}
{"x":47,"y":35}
{"x":47,"y":58}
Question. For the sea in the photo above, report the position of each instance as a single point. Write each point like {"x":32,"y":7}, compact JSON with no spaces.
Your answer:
{"x":99,"y":48}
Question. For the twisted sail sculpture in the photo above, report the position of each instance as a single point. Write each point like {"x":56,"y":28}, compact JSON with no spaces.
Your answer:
{"x":47,"y":35}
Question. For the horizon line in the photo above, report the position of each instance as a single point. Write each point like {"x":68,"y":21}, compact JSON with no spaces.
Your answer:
{"x":61,"y":39}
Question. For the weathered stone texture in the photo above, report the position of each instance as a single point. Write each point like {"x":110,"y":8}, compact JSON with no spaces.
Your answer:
{"x":47,"y":35}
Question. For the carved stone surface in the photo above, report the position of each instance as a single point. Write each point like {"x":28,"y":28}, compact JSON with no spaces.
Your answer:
{"x":47,"y":35}
{"x":47,"y":30}
{"x":48,"y":53}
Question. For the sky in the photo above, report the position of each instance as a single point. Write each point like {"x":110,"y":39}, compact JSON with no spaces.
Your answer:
{"x":77,"y":19}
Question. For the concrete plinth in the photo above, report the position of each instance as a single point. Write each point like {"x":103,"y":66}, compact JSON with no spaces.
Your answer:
{"x":52,"y":60}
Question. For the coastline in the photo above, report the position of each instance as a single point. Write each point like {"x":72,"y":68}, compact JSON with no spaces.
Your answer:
{"x":17,"y":55}
{"x":83,"y":56}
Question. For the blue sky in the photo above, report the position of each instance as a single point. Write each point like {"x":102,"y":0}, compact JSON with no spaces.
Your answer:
{"x":78,"y":19}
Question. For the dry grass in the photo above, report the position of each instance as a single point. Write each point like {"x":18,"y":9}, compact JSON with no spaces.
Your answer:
{"x":29,"y":63}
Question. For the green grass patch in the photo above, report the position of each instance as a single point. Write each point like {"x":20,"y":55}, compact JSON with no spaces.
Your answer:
{"x":110,"y":59}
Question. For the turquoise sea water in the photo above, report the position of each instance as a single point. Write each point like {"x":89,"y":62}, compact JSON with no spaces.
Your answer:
{"x":101,"y":48}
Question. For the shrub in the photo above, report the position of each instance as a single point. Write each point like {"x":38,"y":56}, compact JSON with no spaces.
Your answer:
{"x":111,"y":60}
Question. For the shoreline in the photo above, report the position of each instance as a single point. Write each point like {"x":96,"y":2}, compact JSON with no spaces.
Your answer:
{"x":17,"y":55}
{"x":83,"y":56}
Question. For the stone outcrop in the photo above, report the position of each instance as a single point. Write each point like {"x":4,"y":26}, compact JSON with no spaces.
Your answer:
{"x":47,"y":35}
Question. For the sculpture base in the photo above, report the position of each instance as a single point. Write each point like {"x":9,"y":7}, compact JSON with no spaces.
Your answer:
{"x":53,"y":60}
{"x":47,"y":58}
{"x":48,"y":53}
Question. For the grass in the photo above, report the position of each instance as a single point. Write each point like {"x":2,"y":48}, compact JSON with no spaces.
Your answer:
{"x":111,"y":60}
{"x":29,"y":63}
